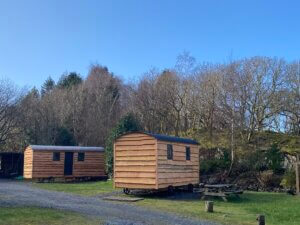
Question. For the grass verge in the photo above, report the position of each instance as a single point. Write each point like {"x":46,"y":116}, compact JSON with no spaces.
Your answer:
{"x":279,"y":209}
{"x":42,"y":216}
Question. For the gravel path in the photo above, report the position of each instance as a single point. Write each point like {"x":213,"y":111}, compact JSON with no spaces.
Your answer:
{"x":13,"y":193}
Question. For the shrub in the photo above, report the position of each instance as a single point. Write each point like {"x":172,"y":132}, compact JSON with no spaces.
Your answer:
{"x":289,"y":179}
{"x":274,"y":159}
{"x":252,"y":161}
{"x":269,"y":179}
{"x":214,"y":160}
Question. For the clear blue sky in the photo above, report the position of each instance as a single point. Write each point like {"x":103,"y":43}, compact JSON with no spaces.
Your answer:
{"x":42,"y":38}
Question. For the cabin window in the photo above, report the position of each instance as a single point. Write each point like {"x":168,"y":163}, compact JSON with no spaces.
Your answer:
{"x":187,"y":153}
{"x":169,"y":151}
{"x":80,"y":156}
{"x":56,"y":156}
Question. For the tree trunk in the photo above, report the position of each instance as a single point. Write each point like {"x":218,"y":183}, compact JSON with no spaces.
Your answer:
{"x":297,"y":175}
{"x":232,"y":143}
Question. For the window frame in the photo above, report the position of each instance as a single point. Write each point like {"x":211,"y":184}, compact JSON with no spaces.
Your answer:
{"x":56,"y":156}
{"x":170,"y":154}
{"x":188,"y":153}
{"x":81,"y":156}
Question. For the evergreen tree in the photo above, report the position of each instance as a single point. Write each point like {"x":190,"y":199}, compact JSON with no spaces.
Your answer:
{"x":126,"y":124}
{"x":67,"y":81}
{"x":274,"y":158}
{"x":48,"y":86}
{"x":64,"y":137}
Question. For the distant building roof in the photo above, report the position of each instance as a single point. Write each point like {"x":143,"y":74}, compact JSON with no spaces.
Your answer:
{"x":65,"y":148}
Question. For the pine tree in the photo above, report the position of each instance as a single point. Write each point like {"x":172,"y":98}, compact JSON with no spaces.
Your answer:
{"x":48,"y":86}
{"x":67,"y":81}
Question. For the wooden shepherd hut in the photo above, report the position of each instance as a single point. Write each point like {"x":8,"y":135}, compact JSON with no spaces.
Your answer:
{"x":64,"y":162}
{"x":153,"y":161}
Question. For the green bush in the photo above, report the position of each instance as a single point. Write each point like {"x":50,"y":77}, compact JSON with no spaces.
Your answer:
{"x":252,"y":161}
{"x":274,"y":159}
{"x":269,"y":179}
{"x":289,"y":179}
{"x":214,"y":160}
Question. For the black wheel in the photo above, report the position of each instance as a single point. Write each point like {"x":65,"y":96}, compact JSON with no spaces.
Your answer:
{"x":126,"y":191}
{"x":190,"y":188}
{"x":171,"y":190}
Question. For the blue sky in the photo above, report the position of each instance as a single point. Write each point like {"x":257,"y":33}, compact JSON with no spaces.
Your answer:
{"x":49,"y":37}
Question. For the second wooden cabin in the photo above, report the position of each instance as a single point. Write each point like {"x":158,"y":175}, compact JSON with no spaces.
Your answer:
{"x":153,"y":161}
{"x":64,"y":162}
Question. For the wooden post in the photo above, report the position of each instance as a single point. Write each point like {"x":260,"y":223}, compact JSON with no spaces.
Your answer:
{"x":209,"y":206}
{"x":261,"y":219}
{"x":297,"y":175}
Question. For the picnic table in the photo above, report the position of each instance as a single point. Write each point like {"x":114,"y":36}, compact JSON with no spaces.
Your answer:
{"x":219,"y":190}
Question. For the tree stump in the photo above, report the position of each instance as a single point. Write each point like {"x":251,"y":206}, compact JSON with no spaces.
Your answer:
{"x":209,"y":206}
{"x":261,"y":219}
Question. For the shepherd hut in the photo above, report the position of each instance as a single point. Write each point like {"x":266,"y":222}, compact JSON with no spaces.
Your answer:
{"x":153,"y":161}
{"x":64,"y":162}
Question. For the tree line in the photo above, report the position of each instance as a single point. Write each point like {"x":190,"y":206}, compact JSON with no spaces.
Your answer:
{"x":235,"y":100}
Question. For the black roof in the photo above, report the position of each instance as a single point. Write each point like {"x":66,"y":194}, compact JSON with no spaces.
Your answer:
{"x":162,"y":137}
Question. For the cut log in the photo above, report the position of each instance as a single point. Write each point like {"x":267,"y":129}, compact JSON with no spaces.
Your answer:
{"x":209,"y":206}
{"x":261,"y":219}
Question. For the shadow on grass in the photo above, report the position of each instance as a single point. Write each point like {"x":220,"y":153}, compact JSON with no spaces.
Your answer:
{"x":182,"y":195}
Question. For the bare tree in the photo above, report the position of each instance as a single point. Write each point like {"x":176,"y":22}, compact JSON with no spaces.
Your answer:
{"x":291,"y":106}
{"x":9,"y":100}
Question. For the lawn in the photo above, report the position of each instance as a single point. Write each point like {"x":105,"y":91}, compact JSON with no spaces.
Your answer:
{"x":83,"y":188}
{"x":279,"y":209}
{"x":42,"y":216}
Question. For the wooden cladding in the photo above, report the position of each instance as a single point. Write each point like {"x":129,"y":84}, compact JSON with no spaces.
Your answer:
{"x":135,"y":162}
{"x":179,"y":171}
{"x":44,"y":164}
{"x":143,"y":162}
{"x":28,"y":163}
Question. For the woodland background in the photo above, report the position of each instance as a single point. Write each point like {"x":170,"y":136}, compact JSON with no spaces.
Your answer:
{"x":245,"y":113}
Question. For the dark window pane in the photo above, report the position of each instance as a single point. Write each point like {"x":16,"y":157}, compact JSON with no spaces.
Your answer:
{"x":56,"y":156}
{"x":169,"y":151}
{"x":81,"y":156}
{"x":187,"y":153}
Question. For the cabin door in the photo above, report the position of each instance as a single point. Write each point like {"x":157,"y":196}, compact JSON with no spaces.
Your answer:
{"x":68,"y":163}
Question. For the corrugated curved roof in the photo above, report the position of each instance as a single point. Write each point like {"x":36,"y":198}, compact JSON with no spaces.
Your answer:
{"x":65,"y":148}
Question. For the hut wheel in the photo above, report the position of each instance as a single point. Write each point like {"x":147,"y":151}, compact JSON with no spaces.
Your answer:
{"x":190,"y":188}
{"x":170,"y":189}
{"x":126,"y":191}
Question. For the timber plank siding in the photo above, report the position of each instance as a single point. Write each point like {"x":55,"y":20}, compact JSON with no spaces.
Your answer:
{"x":141,"y":161}
{"x":39,"y":162}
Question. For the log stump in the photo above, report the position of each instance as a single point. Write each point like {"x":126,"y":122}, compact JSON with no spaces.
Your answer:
{"x":209,"y":206}
{"x":261,"y":219}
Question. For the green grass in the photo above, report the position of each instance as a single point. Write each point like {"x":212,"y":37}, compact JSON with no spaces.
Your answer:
{"x":42,"y":216}
{"x":83,"y":188}
{"x":279,"y":209}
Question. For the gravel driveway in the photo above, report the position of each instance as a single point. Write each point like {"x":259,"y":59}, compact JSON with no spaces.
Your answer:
{"x":13,"y":193}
